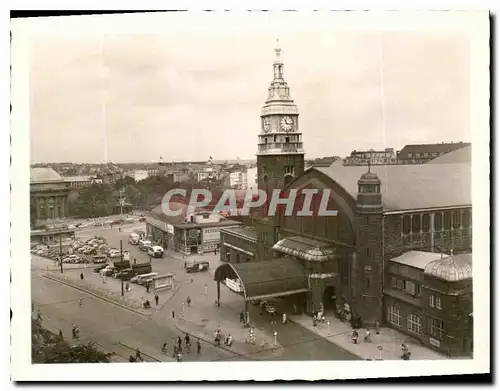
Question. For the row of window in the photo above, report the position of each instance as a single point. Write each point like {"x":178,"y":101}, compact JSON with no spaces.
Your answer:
{"x":435,"y":326}
{"x":418,"y":223}
{"x":425,"y":154}
{"x":414,"y":289}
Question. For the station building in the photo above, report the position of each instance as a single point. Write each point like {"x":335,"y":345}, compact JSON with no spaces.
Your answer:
{"x":401,"y":238}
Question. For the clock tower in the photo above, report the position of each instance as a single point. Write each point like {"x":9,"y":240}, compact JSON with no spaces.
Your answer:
{"x":280,"y":154}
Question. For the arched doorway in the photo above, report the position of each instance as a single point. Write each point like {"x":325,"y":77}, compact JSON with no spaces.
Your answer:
{"x":329,"y":299}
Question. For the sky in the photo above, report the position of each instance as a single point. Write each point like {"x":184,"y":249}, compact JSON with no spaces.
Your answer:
{"x":125,"y":88}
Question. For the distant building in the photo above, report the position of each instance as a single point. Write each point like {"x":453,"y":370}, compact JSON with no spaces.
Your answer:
{"x":80,"y":182}
{"x":138,"y":175}
{"x":422,"y":153}
{"x":362,"y":158}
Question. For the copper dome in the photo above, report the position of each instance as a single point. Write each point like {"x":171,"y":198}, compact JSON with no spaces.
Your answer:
{"x":452,"y":268}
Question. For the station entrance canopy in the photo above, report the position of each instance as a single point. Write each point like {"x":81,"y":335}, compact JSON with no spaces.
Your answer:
{"x":266,"y":279}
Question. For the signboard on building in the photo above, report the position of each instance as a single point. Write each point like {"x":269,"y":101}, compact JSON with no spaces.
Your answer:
{"x":157,"y":223}
{"x":435,"y":342}
{"x":170,"y":229}
{"x":235,"y":286}
{"x":211,"y":234}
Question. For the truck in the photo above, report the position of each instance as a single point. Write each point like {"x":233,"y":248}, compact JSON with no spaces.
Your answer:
{"x":120,"y":265}
{"x":142,"y":268}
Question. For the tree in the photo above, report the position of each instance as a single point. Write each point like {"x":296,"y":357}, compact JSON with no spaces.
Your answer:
{"x":47,"y":347}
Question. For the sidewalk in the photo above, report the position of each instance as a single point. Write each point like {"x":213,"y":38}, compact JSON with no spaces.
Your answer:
{"x":111,"y":290}
{"x":389,"y":339}
{"x":203,"y":317}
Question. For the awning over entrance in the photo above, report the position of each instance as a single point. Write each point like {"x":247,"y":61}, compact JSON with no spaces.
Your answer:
{"x":262,"y":280}
{"x":305,"y":248}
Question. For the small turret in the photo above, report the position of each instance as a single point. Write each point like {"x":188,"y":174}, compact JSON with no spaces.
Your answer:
{"x":369,"y":198}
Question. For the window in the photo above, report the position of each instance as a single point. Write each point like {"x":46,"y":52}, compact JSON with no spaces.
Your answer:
{"x":435,"y":327}
{"x":414,"y":324}
{"x":394,"y":282}
{"x":425,"y":222}
{"x":417,"y":155}
{"x":367,"y":282}
{"x":410,"y":155}
{"x":426,"y":154}
{"x":466,"y":219}
{"x":415,"y":223}
{"x":438,"y":222}
{"x":434,"y":154}
{"x":410,"y":288}
{"x":457,"y":219}
{"x":367,"y":251}
{"x":401,"y":283}
{"x":434,"y":301}
{"x":446,"y":221}
{"x":406,"y":225}
{"x":393,"y":315}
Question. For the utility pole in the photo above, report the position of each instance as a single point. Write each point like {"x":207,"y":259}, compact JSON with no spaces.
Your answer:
{"x":121,"y":258}
{"x":60,"y":241}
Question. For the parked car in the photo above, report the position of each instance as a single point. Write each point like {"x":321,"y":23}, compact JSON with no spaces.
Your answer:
{"x":114,"y":254}
{"x":99,"y":268}
{"x":155,"y":251}
{"x":111,"y":250}
{"x":108,"y":271}
{"x":196,"y":266}
{"x":125,"y":274}
{"x":266,"y":306}
{"x":100,"y":258}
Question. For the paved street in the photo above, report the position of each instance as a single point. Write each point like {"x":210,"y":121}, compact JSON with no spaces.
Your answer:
{"x":297,"y":343}
{"x":109,"y":325}
{"x":119,"y":330}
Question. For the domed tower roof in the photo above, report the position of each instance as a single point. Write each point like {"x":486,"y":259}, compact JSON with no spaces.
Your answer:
{"x":452,"y":268}
{"x":369,"y":177}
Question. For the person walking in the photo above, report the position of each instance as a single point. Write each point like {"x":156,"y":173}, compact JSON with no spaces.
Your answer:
{"x":188,"y":301}
{"x":157,"y":298}
{"x":61,"y":334}
{"x":198,"y":346}
{"x":242,"y":317}
{"x":135,"y":261}
{"x":179,"y":342}
{"x":147,"y":287}
{"x":81,"y":276}
{"x":377,"y":327}
{"x":138,"y":356}
{"x":283,"y":320}
{"x":173,"y":314}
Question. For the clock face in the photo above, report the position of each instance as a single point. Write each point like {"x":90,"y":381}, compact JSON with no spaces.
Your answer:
{"x":286,"y":124}
{"x":266,"y":125}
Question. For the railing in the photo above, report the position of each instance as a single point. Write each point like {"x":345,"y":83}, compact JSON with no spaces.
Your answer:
{"x":286,"y":147}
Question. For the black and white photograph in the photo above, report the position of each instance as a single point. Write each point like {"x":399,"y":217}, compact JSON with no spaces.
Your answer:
{"x":250,"y":196}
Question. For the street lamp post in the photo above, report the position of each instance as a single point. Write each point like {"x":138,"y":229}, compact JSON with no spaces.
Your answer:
{"x":328,"y":323}
{"x":121,"y":258}
{"x":275,"y":338}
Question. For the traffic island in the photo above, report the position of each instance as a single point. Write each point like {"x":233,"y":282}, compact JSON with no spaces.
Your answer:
{"x":100,"y":292}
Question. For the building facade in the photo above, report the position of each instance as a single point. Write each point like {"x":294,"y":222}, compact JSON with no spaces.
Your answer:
{"x":422,"y":153}
{"x":188,"y":233}
{"x":376,"y":214}
{"x":372,"y":157}
{"x":49,"y":196}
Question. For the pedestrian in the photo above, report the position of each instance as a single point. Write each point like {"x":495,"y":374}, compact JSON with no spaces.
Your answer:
{"x":179,"y":342}
{"x":138,"y":355}
{"x":242,"y":317}
{"x":157,"y":298}
{"x":294,"y":308}
{"x":60,"y":334}
{"x":80,"y":302}
{"x":198,"y":346}
{"x":188,"y":300}
{"x":377,"y":327}
{"x":355,"y":337}
{"x":368,"y":337}
{"x":283,"y":320}
{"x":147,"y":287}
{"x":164,"y":348}
{"x":173,"y":314}
{"x":130,"y":358}
{"x":135,"y":261}
{"x":81,"y":276}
